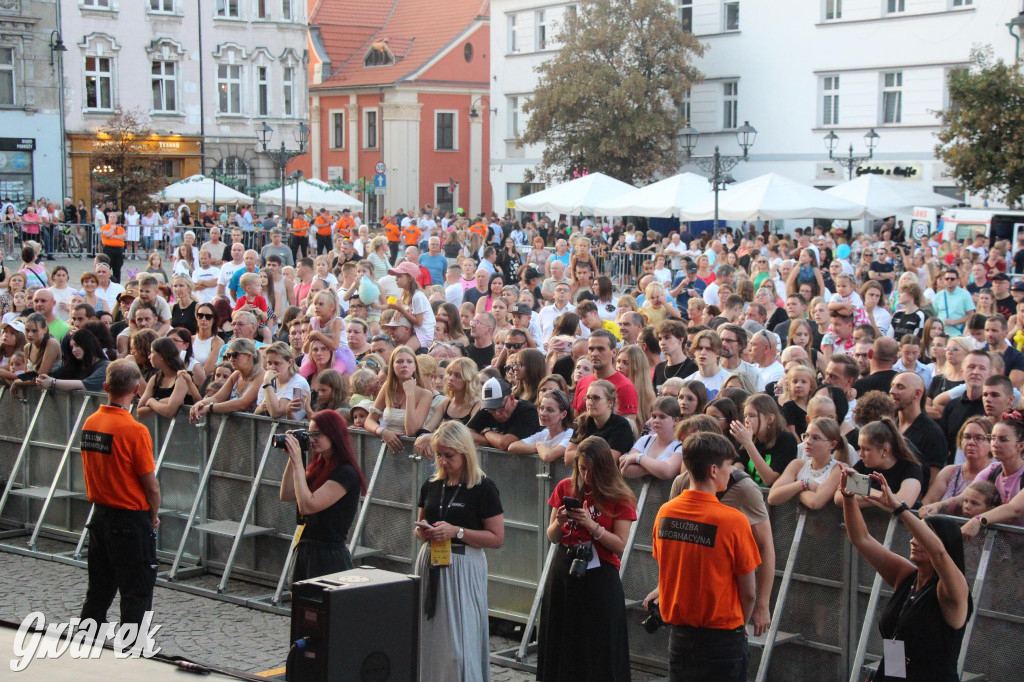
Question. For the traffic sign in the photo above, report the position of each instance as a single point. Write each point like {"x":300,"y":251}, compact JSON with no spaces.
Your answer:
{"x":380,"y":167}
{"x":380,"y":181}
{"x":380,"y":191}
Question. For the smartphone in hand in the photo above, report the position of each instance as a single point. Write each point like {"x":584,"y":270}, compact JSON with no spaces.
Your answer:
{"x":858,"y":484}
{"x":571,"y":503}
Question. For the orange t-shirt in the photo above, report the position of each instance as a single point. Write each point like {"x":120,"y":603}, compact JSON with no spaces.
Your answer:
{"x":412,"y":235}
{"x":299,"y":227}
{"x":117,"y":239}
{"x":116,"y":451}
{"x":479,"y":228}
{"x":391,"y":230}
{"x":323,"y":225}
{"x":345,"y":225}
{"x":701,"y":545}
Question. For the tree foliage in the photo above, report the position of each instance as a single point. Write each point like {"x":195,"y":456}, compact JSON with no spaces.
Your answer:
{"x":982,"y":137}
{"x":126,"y":166}
{"x":610,"y":100}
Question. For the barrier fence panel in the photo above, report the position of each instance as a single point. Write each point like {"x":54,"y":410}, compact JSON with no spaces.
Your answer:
{"x":221,"y":515}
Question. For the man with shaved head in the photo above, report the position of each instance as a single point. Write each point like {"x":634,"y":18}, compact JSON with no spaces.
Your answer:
{"x":44,"y":303}
{"x":882,"y":356}
{"x":908,"y":392}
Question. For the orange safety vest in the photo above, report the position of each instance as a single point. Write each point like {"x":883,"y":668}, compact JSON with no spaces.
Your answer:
{"x":479,"y":228}
{"x":345,"y":226}
{"x":412,"y":234}
{"x":323,"y":226}
{"x":117,"y":240}
{"x":391,"y":230}
{"x":299,"y":227}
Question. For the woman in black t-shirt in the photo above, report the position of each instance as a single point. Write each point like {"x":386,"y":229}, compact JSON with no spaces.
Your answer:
{"x":766,"y":446}
{"x":883,"y":450}
{"x":326,"y":493}
{"x":600,"y":420}
{"x":460,"y":516}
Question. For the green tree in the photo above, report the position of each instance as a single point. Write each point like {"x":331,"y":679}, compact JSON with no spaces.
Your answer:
{"x":982,"y":135}
{"x":126,"y":168}
{"x":610,"y":100}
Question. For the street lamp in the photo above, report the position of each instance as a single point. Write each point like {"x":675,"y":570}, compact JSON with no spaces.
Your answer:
{"x":1018,"y":23}
{"x":849,"y":162}
{"x":57,"y":48}
{"x":473,"y":113}
{"x":56,"y":45}
{"x":717,"y":164}
{"x":282,"y":156}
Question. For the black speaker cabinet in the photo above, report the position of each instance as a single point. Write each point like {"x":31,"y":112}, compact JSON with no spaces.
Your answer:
{"x":362,"y":625}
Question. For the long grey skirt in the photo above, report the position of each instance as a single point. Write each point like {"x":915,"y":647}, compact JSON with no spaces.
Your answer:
{"x":454,"y":643}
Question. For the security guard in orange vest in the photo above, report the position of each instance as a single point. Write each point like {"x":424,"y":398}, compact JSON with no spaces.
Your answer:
{"x":299,"y":239}
{"x":480,"y":228}
{"x":324,"y":226}
{"x":112,"y":235}
{"x":393,"y":233}
{"x":346,"y":225}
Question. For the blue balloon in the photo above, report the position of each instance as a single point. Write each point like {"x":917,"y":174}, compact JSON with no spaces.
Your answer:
{"x":843,"y":251}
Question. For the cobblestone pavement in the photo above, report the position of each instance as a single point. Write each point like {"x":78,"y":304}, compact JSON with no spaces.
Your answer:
{"x":202,"y":629}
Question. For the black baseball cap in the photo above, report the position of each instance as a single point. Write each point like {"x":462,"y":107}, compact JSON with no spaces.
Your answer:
{"x":521,"y":309}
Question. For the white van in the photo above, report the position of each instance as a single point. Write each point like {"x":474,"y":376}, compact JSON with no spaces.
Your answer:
{"x":966,"y":223}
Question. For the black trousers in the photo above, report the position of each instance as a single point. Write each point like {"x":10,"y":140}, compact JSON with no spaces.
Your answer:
{"x":299,"y":244}
{"x":122,"y":558}
{"x":323,"y":244}
{"x":116,"y":256}
{"x":707,"y":655}
{"x":314,"y":559}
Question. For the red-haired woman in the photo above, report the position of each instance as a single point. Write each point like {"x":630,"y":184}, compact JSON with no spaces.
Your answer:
{"x":327,"y":495}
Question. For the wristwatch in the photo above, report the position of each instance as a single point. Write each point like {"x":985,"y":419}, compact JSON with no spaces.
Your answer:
{"x":461,"y":533}
{"x":900,"y":509}
{"x":982,"y":520}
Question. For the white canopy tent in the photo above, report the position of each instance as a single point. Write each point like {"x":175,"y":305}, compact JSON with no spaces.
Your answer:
{"x":203,"y":190}
{"x":313,"y":193}
{"x":579,"y":196}
{"x":772,"y":197}
{"x":882,"y":197}
{"x":663,"y":199}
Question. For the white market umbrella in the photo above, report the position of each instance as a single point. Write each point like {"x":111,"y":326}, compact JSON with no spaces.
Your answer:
{"x":203,"y":190}
{"x":313,"y":193}
{"x":663,"y":199}
{"x":772,"y":197}
{"x":882,"y":197}
{"x":578,"y":196}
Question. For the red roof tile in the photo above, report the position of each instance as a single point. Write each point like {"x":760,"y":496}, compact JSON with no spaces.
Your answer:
{"x":417,"y":30}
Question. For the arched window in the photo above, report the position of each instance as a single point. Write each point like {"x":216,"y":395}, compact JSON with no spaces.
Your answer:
{"x":235,"y":168}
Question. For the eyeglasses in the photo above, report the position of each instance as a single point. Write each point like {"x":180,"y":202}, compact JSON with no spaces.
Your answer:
{"x":868,"y":254}
{"x":514,"y":346}
{"x":968,"y":438}
{"x":204,"y":316}
{"x":593,"y":398}
{"x":817,"y":439}
{"x":313,"y":435}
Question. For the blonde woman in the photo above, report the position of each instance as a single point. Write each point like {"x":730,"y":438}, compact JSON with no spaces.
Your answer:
{"x":283,"y":392}
{"x":402,"y":404}
{"x":379,"y":256}
{"x":632,"y":363}
{"x":461,"y":401}
{"x":240,"y":391}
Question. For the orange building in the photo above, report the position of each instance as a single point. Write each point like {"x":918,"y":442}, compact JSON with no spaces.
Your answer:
{"x":404,"y":83}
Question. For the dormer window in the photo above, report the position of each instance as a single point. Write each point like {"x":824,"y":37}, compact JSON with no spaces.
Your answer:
{"x":379,"y":54}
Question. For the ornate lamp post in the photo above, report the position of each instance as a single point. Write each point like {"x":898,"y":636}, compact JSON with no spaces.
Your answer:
{"x":849,"y":162}
{"x":282,"y":156}
{"x":717,"y":164}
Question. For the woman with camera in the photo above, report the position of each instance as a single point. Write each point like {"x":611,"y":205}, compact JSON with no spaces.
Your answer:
{"x":326,"y":493}
{"x":923,"y":623}
{"x":460,"y":516}
{"x":583,"y":617}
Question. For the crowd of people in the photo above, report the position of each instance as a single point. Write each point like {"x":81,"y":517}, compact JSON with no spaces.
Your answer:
{"x":809,"y":358}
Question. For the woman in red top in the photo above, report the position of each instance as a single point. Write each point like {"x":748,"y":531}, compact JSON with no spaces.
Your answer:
{"x":583,"y":618}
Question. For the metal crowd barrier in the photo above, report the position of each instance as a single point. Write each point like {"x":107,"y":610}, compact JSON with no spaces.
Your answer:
{"x":225,"y":534}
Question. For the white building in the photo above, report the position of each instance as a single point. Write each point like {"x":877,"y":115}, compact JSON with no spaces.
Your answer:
{"x":207,"y":73}
{"x":795,"y":69}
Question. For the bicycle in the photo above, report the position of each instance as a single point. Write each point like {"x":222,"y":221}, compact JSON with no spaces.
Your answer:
{"x":66,"y":240}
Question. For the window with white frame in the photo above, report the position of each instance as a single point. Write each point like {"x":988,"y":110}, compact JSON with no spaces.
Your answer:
{"x":685,"y":13}
{"x":731,"y":15}
{"x":540,"y":30}
{"x":369,"y":128}
{"x":513,"y":117}
{"x":165,"y":86}
{"x":262,"y":90}
{"x":444,"y":198}
{"x":286,"y":10}
{"x":830,"y":100}
{"x":235,"y":168}
{"x":892,"y":97}
{"x":228,"y":8}
{"x":99,"y":83}
{"x":833,"y":10}
{"x":96,"y":4}
{"x":684,"y":106}
{"x":162,"y":6}
{"x":512,"y":34}
{"x":6,"y":76}
{"x":895,"y":6}
{"x":444,"y":131}
{"x":730,"y":105}
{"x":229,"y":88}
{"x":338,"y":130}
{"x":963,"y":3}
{"x":263,"y":9}
{"x":288,"y":90}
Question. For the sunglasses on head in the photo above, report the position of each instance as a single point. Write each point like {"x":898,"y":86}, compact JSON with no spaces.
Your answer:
{"x":381,"y":337}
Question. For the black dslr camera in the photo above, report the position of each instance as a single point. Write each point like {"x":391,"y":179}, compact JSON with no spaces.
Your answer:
{"x":581,"y":556}
{"x":653,"y":620}
{"x":301,"y":435}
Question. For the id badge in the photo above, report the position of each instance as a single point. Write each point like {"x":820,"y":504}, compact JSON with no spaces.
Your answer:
{"x":895,"y":658}
{"x":441,"y":552}
{"x":595,"y":561}
{"x":298,"y":533}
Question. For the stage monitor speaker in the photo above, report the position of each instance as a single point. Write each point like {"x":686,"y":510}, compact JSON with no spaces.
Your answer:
{"x":362,"y":625}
